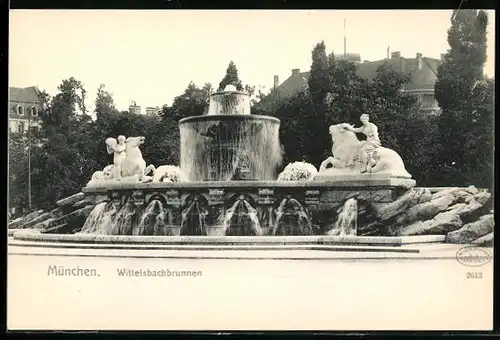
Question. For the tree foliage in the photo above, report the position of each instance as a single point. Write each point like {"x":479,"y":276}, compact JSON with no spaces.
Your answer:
{"x":231,"y":78}
{"x":453,"y":148}
{"x":465,"y":97}
{"x":71,"y":146}
{"x":193,"y":102}
{"x":335,"y":94}
{"x":18,"y":169}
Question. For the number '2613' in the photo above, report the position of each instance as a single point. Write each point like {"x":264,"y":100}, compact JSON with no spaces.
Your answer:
{"x":474,"y":275}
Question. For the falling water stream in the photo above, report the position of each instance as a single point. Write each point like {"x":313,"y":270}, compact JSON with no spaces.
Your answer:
{"x":193,"y":219}
{"x":156,"y":221}
{"x":100,"y":220}
{"x":346,"y":223}
{"x":215,"y":148}
{"x":125,"y":220}
{"x":227,"y":144}
{"x":291,"y":219}
{"x":247,"y":220}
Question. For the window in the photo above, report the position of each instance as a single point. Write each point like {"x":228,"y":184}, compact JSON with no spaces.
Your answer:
{"x":20,"y":127}
{"x":33,"y":129}
{"x":20,"y":110}
{"x":34,"y":111}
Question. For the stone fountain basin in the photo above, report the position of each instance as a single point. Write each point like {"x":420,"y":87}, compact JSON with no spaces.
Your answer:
{"x":33,"y":242}
{"x":216,"y":197}
{"x":372,"y":181}
{"x":319,"y":193}
{"x":380,"y":241}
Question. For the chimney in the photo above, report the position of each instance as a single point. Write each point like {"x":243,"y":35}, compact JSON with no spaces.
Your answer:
{"x":295,"y":71}
{"x":395,"y":55}
{"x":419,"y":61}
{"x":276,"y":81}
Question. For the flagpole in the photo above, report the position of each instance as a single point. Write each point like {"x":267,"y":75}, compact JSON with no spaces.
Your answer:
{"x":345,"y":43}
{"x":29,"y":159}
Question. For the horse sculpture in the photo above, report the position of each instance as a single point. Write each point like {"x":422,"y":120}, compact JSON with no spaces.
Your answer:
{"x":129,"y":165}
{"x":133,"y":164}
{"x":346,"y":158}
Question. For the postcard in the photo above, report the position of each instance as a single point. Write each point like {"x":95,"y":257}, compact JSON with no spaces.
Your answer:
{"x":323,"y":170}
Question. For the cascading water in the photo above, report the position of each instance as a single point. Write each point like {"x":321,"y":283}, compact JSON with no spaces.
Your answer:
{"x":291,"y":219}
{"x":226,"y":144}
{"x":347,"y":219}
{"x":241,"y":219}
{"x":125,"y":220}
{"x":156,"y":221}
{"x":229,"y":143}
{"x":100,"y":220}
{"x":193,"y":218}
{"x":217,"y":147}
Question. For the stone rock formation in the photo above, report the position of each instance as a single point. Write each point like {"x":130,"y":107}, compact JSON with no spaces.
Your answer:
{"x":473,"y":231}
{"x":463,"y":214}
{"x":484,"y":241}
{"x":68,"y":217}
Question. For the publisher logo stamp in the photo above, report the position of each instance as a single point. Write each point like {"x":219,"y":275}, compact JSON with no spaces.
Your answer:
{"x":473,"y":256}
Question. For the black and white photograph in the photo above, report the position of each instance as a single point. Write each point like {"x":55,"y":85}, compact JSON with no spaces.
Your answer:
{"x":251,"y":170}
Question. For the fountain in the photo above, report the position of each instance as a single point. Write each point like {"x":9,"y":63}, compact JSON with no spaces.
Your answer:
{"x":229,"y":143}
{"x":225,"y":187}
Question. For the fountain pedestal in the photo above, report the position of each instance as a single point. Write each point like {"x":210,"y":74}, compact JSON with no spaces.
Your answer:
{"x":268,"y":204}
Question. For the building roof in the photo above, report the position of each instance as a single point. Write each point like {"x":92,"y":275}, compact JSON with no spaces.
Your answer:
{"x":423,"y":78}
{"x":24,"y":95}
{"x":27,"y":97}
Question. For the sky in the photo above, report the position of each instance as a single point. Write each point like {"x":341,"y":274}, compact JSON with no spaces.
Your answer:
{"x":151,"y":56}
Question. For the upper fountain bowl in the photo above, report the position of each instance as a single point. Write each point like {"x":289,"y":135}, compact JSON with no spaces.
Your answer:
{"x":230,"y":101}
{"x":229,"y":143}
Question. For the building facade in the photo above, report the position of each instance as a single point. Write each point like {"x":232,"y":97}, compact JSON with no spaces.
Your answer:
{"x":152,"y":111}
{"x":24,"y":107}
{"x":135,"y":109}
{"x":422,"y":70}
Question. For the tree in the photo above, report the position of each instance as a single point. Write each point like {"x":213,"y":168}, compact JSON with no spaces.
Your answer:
{"x":61,"y":109}
{"x":335,"y":95}
{"x":231,"y":78}
{"x":480,"y":142}
{"x":18,"y":170}
{"x":464,"y":62}
{"x":319,"y":82}
{"x":402,"y":126}
{"x":295,"y":134}
{"x":347,"y":93}
{"x":104,"y":103}
{"x":304,"y":114}
{"x":64,"y":161}
{"x":459,"y":85}
{"x":193,"y":102}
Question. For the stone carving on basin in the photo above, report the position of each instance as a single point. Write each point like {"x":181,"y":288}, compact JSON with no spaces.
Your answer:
{"x":355,"y":159}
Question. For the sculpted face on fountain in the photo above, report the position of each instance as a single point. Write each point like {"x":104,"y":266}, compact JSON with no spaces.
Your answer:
{"x":358,"y":159}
